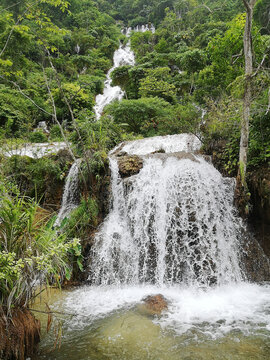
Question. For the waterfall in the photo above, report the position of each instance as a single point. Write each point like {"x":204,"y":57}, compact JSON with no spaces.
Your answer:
{"x":173,"y":222}
{"x":123,"y":56}
{"x":70,"y":198}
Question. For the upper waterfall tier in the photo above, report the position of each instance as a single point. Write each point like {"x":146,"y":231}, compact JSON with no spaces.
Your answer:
{"x":122,"y":56}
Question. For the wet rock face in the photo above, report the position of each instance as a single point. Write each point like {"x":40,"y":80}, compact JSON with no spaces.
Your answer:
{"x":129,"y":165}
{"x":154,"y":304}
{"x":256,"y":264}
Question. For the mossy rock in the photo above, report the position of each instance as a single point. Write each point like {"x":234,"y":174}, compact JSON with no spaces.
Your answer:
{"x":129,"y":165}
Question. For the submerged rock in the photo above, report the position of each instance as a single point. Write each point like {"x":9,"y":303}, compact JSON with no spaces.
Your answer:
{"x":154,"y":304}
{"x":129,"y":165}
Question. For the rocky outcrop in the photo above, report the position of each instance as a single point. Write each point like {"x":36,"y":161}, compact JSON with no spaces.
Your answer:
{"x":153,"y":305}
{"x":129,"y":165}
{"x":255,"y":262}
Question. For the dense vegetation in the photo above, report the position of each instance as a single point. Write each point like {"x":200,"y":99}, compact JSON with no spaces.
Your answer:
{"x":54,"y":56}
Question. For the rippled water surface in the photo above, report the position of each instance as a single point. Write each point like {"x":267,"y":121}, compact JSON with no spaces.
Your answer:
{"x":228,"y":322}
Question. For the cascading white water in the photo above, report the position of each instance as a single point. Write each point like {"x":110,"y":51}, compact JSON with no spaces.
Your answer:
{"x":174,"y":222}
{"x":71,"y":193}
{"x":36,"y":151}
{"x":123,"y":56}
{"x":172,"y":230}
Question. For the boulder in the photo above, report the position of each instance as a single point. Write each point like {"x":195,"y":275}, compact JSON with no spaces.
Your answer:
{"x":129,"y":165}
{"x":154,"y":305}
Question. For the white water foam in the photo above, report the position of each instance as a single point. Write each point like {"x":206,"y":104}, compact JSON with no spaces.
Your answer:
{"x":122,"y":56}
{"x":36,"y":151}
{"x":173,"y":231}
{"x":174,"y":222}
{"x":168,"y":144}
{"x":215,"y":312}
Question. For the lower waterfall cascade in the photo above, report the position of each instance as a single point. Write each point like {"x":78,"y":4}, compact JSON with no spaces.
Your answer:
{"x":173,"y":222}
{"x":172,"y":230}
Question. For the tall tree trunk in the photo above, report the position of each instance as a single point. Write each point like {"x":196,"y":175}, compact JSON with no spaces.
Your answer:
{"x":247,"y":97}
{"x":241,"y":188}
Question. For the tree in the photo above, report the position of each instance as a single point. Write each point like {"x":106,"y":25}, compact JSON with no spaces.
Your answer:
{"x":249,"y":5}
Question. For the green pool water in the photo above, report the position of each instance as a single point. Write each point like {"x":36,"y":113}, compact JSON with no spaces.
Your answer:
{"x":126,"y":333}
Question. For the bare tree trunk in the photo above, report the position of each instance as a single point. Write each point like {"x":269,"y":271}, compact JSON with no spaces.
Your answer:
{"x":241,"y":192}
{"x":247,"y":97}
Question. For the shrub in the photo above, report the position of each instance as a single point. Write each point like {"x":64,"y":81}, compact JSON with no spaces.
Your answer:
{"x":31,"y":251}
{"x":38,"y":137}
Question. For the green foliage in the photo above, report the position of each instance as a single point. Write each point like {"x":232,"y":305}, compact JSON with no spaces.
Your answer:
{"x":30,"y":251}
{"x":38,"y":137}
{"x":186,"y":119}
{"x":83,"y":220}
{"x":80,"y":45}
{"x":142,"y":43}
{"x":156,"y":84}
{"x":129,"y":79}
{"x":100,"y":135}
{"x":261,"y":15}
{"x":15,"y":113}
{"x":55,"y":133}
{"x":140,"y":116}
{"x":33,"y":176}
{"x":192,"y":60}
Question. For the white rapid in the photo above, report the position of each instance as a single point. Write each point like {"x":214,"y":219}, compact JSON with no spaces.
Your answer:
{"x":122,"y":56}
{"x":70,"y":198}
{"x":35,"y":151}
{"x":174,"y":222}
{"x":172,"y":230}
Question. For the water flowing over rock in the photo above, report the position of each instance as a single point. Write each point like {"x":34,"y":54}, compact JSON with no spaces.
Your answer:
{"x":123,"y":56}
{"x":173,"y":222}
{"x":70,"y":198}
{"x":36,"y":151}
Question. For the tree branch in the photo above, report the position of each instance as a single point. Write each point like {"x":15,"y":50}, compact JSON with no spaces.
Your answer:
{"x":247,"y":5}
{"x":26,"y":96}
{"x":204,"y":5}
{"x":268,"y":108}
{"x":14,"y":26}
{"x":11,"y":6}
{"x":260,"y":65}
{"x":55,"y":116}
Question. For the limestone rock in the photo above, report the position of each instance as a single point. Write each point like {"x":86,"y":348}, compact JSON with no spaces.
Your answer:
{"x":129,"y":165}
